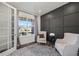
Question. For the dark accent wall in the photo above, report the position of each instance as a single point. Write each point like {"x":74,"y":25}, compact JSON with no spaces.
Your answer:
{"x":62,"y":19}
{"x":71,"y":17}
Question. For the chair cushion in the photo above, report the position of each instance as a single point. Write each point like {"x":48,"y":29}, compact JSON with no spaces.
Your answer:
{"x":41,"y":36}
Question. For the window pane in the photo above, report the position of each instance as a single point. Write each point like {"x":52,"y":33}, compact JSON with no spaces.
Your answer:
{"x":25,"y":26}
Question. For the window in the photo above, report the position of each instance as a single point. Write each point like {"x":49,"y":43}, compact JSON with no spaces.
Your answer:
{"x":26,"y":26}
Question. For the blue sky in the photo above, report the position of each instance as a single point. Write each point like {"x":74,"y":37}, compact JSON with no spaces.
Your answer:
{"x":24,"y":23}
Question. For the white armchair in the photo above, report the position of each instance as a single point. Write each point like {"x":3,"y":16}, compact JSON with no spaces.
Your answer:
{"x":68,"y":46}
{"x":41,"y":38}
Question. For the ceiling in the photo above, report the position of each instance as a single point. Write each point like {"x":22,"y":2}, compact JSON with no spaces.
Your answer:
{"x":37,"y":8}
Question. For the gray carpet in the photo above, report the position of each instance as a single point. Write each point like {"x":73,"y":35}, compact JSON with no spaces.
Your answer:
{"x":35,"y":50}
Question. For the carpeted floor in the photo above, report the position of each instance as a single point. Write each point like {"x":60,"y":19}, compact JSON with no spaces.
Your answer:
{"x":35,"y":50}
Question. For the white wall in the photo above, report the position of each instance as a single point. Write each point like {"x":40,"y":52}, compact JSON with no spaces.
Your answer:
{"x":39,"y":23}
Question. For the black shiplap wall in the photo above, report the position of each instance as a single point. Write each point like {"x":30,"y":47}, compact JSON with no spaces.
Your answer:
{"x":71,"y":17}
{"x":63,"y":19}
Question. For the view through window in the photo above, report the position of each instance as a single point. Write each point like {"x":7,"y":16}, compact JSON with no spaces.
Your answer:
{"x":26,"y":26}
